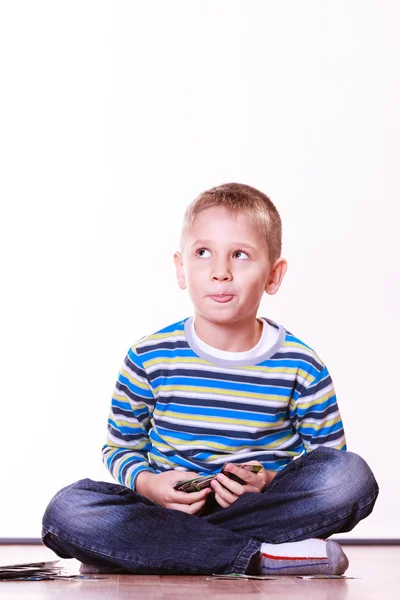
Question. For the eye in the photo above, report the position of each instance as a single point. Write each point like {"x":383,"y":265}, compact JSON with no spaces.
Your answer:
{"x":240,"y":254}
{"x":203,"y":253}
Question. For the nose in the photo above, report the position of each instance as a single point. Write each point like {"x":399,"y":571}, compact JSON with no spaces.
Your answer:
{"x":221,"y":271}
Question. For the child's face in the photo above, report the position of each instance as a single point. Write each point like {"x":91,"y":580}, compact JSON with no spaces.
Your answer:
{"x":225,"y":266}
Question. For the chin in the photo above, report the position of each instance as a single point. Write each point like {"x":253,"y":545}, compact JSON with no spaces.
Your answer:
{"x":218,"y":317}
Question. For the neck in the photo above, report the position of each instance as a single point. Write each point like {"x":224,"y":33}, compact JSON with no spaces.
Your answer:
{"x":230,"y":337}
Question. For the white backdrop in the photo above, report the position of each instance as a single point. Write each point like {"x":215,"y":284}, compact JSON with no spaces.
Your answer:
{"x":114,"y":116}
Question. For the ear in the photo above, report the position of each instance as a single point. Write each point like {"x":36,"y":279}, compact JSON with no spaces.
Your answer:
{"x":180,"y":274}
{"x":276,"y":275}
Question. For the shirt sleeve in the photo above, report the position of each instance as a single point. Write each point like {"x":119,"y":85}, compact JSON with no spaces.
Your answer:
{"x":315,"y":415}
{"x":132,"y":405}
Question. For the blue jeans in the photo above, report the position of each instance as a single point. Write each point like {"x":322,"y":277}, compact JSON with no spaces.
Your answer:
{"x":324,"y":492}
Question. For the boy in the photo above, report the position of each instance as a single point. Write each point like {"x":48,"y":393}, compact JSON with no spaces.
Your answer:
{"x":221,"y":387}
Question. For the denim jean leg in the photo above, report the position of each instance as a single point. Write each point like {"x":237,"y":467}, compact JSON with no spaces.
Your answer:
{"x":324,"y":492}
{"x":106,"y":524}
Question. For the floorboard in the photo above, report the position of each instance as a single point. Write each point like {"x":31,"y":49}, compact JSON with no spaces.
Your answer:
{"x":375,"y":569}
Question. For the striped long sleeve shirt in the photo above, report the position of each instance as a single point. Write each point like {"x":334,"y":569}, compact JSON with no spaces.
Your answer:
{"x":175,"y":407}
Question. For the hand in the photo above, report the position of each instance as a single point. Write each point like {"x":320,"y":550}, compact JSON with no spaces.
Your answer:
{"x":160,"y":488}
{"x":230,"y":490}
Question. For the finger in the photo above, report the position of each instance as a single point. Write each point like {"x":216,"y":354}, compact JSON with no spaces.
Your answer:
{"x":221,"y":501}
{"x":196,"y":507}
{"x":248,"y":477}
{"x":190,"y":509}
{"x":237,"y":488}
{"x":188,"y":498}
{"x":179,"y":476}
{"x":233,"y":486}
{"x":181,"y":507}
{"x":176,"y":476}
{"x":259,"y":480}
{"x":226,"y":494}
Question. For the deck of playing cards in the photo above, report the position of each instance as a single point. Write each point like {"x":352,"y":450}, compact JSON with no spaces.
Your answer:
{"x":34,"y":570}
{"x":199,"y":483}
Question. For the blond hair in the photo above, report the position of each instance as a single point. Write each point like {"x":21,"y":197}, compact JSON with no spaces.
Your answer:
{"x":237,"y":197}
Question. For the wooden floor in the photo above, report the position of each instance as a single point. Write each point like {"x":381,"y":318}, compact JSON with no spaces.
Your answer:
{"x":376,"y":570}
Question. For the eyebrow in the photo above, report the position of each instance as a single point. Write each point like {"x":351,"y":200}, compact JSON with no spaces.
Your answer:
{"x":211,"y":242}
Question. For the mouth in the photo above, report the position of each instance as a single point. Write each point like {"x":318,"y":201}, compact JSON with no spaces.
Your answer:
{"x":222,"y":298}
